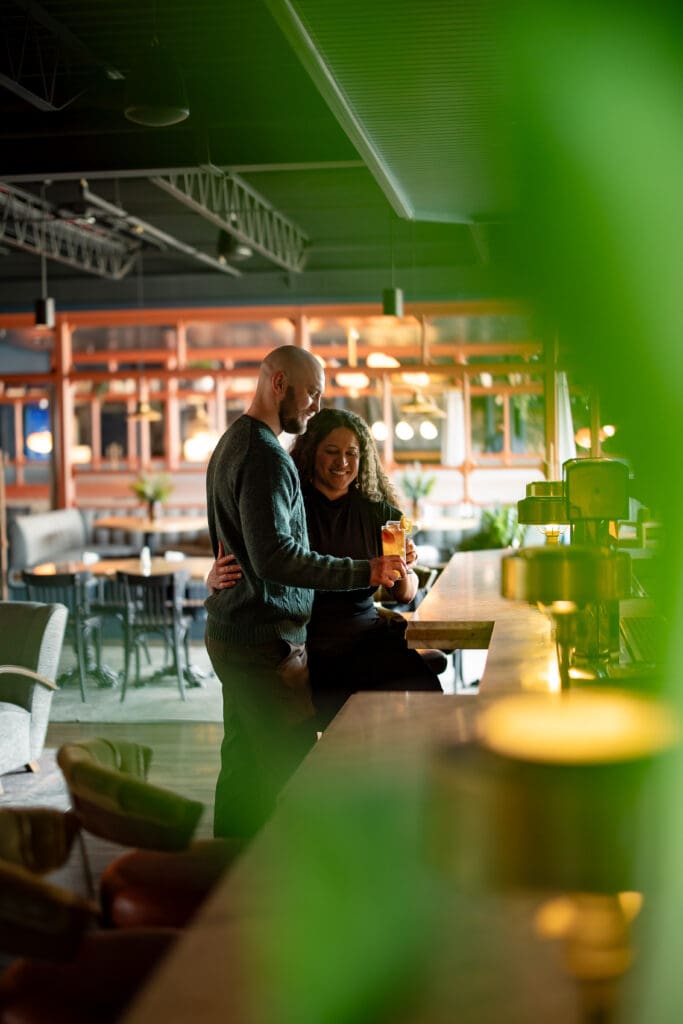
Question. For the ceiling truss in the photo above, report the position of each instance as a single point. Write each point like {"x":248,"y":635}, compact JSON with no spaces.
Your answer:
{"x":29,"y":223}
{"x":228,"y":202}
{"x":38,"y":55}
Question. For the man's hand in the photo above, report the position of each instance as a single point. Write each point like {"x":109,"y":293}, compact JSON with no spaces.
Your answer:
{"x":385,"y":570}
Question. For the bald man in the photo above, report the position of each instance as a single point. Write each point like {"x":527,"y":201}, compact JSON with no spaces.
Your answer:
{"x":255,"y":633}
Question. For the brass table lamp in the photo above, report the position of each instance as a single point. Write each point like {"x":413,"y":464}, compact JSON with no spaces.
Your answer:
{"x":544,"y":507}
{"x":555,"y":797}
{"x":572,"y":583}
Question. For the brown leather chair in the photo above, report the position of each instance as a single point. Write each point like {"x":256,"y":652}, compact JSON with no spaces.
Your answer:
{"x":67,"y":971}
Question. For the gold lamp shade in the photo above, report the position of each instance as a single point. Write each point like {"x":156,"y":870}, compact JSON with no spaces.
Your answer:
{"x":573,"y":574}
{"x":557,"y":794}
{"x":544,"y":503}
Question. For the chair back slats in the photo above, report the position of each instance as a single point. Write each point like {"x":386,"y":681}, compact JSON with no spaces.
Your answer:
{"x":68,"y":588}
{"x":154,"y":604}
{"x":72,"y":589}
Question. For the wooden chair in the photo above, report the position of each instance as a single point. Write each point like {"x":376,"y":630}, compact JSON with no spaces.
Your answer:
{"x":154,"y":605}
{"x":72,"y":590}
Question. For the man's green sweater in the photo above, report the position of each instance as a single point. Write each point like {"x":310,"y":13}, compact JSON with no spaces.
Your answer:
{"x":256,"y":508}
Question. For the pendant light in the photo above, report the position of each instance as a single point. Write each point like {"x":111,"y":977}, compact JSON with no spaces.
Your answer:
{"x":44,"y":306}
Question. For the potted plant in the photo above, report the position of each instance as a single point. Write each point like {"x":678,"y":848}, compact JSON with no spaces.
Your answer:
{"x":499,"y":528}
{"x":416,"y":484}
{"x":153,"y":490}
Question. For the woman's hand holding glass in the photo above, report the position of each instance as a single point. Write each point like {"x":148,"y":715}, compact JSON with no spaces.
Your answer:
{"x":224,"y":573}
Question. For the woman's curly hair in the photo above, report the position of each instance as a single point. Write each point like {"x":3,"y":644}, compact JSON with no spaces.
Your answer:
{"x":372,"y":482}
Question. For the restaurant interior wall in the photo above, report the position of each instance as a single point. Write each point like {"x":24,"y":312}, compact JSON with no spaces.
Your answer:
{"x":199,"y":367}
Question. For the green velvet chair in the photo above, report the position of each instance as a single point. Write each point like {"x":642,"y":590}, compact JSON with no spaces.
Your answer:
{"x":164,"y":879}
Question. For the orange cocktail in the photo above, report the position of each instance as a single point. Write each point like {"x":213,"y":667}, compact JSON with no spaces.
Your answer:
{"x":393,"y":538}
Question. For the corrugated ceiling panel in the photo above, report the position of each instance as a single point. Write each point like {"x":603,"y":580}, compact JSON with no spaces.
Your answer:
{"x":419,"y":87}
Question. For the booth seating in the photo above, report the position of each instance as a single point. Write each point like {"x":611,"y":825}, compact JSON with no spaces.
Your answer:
{"x":61,"y":535}
{"x":166,"y":877}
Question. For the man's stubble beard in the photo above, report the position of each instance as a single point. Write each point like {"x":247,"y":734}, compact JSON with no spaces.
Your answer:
{"x":289,"y":421}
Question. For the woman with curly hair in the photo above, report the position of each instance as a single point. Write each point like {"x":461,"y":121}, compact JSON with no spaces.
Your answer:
{"x":348,"y":497}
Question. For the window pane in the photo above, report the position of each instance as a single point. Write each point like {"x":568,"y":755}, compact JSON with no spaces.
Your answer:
{"x":527,"y":429}
{"x":487,"y":424}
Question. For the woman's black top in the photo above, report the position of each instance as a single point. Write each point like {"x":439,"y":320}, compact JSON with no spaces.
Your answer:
{"x":348,"y":526}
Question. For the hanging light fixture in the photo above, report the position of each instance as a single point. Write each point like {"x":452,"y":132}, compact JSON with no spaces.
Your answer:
{"x":420,"y":405}
{"x":354,"y":380}
{"x":44,"y":306}
{"x":144,"y":413}
{"x":379,"y":361}
{"x":392,"y":298}
{"x":202,"y":437}
{"x":155,"y":91}
{"x":230,"y":249}
{"x":392,"y":302}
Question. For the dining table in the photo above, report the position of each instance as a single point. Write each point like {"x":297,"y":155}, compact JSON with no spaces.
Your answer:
{"x":196,"y":568}
{"x":153,"y":528}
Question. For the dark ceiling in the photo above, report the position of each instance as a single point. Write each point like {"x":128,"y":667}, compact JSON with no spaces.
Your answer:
{"x":373,"y":127}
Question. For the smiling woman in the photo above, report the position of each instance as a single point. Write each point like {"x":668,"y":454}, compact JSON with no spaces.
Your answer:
{"x":348,"y":497}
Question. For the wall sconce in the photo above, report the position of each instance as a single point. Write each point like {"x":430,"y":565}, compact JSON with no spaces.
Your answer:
{"x":40,"y":442}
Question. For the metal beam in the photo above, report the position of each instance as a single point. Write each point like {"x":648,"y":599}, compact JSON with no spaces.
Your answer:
{"x":228,"y":202}
{"x":155,"y":234}
{"x":28,"y":223}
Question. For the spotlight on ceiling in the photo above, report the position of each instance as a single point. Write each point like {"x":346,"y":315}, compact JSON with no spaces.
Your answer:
{"x":155,"y":91}
{"x":230,"y":249}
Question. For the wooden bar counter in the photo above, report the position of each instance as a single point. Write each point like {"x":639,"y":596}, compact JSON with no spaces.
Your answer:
{"x":338,"y":910}
{"x":465,"y":610}
{"x":336,"y":903}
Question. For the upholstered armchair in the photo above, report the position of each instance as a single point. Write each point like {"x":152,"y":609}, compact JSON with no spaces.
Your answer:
{"x":31,"y":638}
{"x":166,"y":877}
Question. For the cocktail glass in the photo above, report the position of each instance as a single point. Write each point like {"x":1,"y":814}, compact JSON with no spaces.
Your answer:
{"x":394,"y":540}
